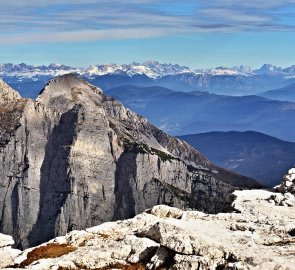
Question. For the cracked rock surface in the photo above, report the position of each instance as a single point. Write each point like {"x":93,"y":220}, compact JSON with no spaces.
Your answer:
{"x":258,"y":235}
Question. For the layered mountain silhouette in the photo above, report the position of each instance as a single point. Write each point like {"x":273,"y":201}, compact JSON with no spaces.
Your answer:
{"x":197,"y":112}
{"x":74,"y":158}
{"x":286,"y":93}
{"x":254,"y":154}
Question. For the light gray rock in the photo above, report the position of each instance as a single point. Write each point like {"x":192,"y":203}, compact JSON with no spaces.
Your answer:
{"x":6,"y":240}
{"x":260,"y":237}
{"x":23,"y":143}
{"x":75,"y":158}
{"x":166,"y":211}
{"x":7,"y":253}
{"x":288,"y":183}
{"x":183,"y":262}
{"x":7,"y":93}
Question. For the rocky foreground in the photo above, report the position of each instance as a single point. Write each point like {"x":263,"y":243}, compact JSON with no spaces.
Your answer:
{"x":258,"y":234}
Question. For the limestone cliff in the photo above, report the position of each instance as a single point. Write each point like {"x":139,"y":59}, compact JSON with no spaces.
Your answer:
{"x":75,"y":158}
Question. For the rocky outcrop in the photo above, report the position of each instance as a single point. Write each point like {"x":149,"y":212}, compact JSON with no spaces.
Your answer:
{"x":288,"y":183}
{"x":75,"y":158}
{"x":259,"y":235}
{"x":7,"y":93}
{"x":7,"y":253}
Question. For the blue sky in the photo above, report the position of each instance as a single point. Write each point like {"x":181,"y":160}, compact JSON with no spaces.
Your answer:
{"x":199,"y":33}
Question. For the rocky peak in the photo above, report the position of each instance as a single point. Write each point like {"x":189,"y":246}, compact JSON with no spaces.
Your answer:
{"x":67,"y":91}
{"x":268,"y":69}
{"x":11,"y":110}
{"x":7,"y":93}
{"x":290,"y":70}
{"x":63,"y":92}
{"x":77,"y":158}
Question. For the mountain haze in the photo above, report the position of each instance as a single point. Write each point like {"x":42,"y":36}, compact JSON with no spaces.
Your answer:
{"x":254,"y":154}
{"x":197,"y":112}
{"x":286,"y":93}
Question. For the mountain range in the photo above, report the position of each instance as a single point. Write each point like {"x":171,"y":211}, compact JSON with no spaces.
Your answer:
{"x":152,"y":69}
{"x":74,"y":158}
{"x":182,"y":113}
{"x":286,"y":93}
{"x":240,"y":80}
{"x":254,"y":154}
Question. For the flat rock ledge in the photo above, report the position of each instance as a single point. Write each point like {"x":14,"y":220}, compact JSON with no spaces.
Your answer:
{"x":258,"y":234}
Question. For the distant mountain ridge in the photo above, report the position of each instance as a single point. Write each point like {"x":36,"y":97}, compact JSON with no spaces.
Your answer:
{"x":196,"y":112}
{"x":286,"y":93}
{"x":237,"y":81}
{"x":152,"y":69}
{"x":254,"y":154}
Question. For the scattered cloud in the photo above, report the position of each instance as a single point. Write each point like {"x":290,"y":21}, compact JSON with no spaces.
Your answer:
{"x":77,"y":20}
{"x":82,"y":35}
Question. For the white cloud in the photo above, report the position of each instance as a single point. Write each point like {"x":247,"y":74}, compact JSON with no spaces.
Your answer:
{"x":82,"y":35}
{"x":77,"y":20}
{"x":256,"y":4}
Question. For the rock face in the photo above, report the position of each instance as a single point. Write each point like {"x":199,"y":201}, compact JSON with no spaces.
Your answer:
{"x":259,"y":235}
{"x":7,"y":93}
{"x":288,"y":183}
{"x":75,"y":158}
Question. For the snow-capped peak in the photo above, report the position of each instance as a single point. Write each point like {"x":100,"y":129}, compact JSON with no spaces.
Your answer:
{"x":102,"y":69}
{"x":268,"y":69}
{"x":142,"y":70}
{"x":151,"y":69}
{"x":222,"y":71}
{"x":289,"y":70}
{"x":237,"y":70}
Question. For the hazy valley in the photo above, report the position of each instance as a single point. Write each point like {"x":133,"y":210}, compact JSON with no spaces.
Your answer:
{"x":254,"y":154}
